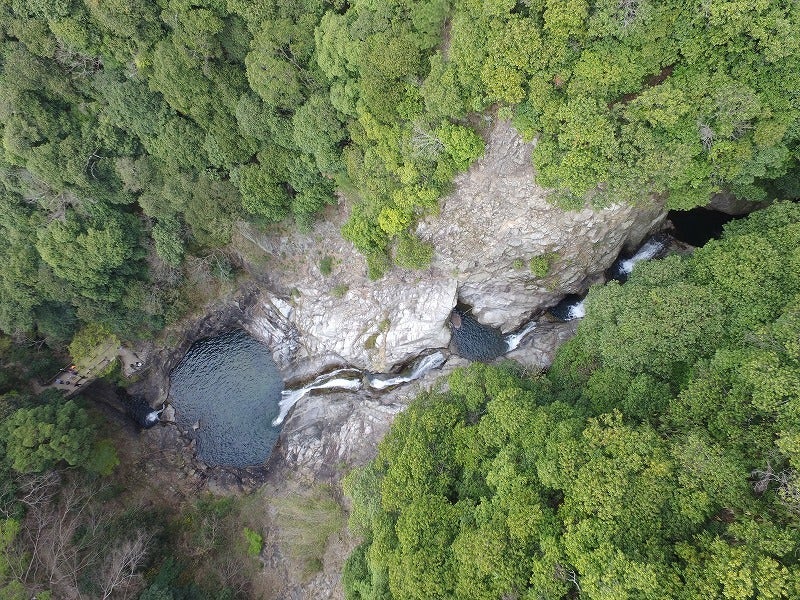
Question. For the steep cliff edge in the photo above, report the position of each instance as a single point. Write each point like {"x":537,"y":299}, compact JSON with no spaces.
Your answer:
{"x":500,"y":246}
{"x":499,"y":227}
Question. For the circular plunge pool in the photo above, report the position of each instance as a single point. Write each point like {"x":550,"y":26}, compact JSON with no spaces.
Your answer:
{"x":229,"y":386}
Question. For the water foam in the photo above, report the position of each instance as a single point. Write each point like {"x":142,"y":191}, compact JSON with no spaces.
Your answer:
{"x":513,"y":340}
{"x":646,"y":252}
{"x":327,"y":381}
{"x":419,"y":368}
{"x":577,"y":311}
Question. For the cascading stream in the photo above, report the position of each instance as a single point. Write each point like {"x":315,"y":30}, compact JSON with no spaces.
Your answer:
{"x":327,"y":381}
{"x":513,"y":340}
{"x":570,"y":308}
{"x":418,"y":369}
{"x":472,"y":340}
{"x":622,"y":268}
{"x":230,"y":387}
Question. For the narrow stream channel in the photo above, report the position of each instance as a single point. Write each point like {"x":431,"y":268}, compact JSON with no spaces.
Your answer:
{"x":228,"y":394}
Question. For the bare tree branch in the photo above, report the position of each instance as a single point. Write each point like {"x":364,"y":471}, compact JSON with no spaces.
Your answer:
{"x":706,"y":134}
{"x":425,"y":143}
{"x":119,"y":573}
{"x":60,"y":532}
{"x":629,"y":10}
{"x":787,"y":484}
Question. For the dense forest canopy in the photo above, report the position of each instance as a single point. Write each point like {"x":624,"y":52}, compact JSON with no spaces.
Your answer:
{"x":658,"y":458}
{"x":136,"y":134}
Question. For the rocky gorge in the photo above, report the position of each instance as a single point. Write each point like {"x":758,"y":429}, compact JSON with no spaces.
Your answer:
{"x":502,"y":248}
{"x":492,"y":237}
{"x":504,"y":252}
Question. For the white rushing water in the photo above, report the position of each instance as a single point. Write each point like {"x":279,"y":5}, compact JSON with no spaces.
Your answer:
{"x":152,"y":417}
{"x":422,"y":366}
{"x":513,"y":340}
{"x":577,"y":310}
{"x":435,"y":360}
{"x":324,"y":382}
{"x":646,"y":252}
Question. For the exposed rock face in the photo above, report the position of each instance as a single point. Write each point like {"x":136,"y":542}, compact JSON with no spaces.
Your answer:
{"x":344,"y":318}
{"x":488,"y":231}
{"x":338,"y":428}
{"x":327,"y":431}
{"x":538,"y":350}
{"x":271,"y":321}
{"x":485,"y":237}
{"x":499,"y":219}
{"x":727,"y":203}
{"x":377,"y":326}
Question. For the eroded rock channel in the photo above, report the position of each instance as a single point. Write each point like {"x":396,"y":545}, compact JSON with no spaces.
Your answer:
{"x":353,"y":352}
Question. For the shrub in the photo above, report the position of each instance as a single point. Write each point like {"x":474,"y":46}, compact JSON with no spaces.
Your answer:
{"x":255,"y":543}
{"x":103,"y":458}
{"x":306,"y":524}
{"x":540,"y":265}
{"x":413,"y":253}
{"x":377,"y":264}
{"x":91,"y":342}
{"x":340,"y":290}
{"x":371,"y":342}
{"x":326,"y":265}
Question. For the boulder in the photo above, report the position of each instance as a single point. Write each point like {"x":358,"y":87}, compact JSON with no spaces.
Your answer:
{"x":537,"y":351}
{"x":727,"y":203}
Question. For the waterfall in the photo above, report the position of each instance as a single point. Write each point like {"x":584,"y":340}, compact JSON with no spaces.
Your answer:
{"x":139,"y":409}
{"x":623,"y":267}
{"x":571,"y":307}
{"x":577,"y":311}
{"x":471,"y":339}
{"x":419,"y":368}
{"x":324,"y":382}
{"x":153,"y":416}
{"x":646,"y":252}
{"x":513,"y":340}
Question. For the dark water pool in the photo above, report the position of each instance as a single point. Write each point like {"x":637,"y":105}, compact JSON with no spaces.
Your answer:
{"x":570,"y":307}
{"x":138,"y":409}
{"x":473,"y":340}
{"x":230,"y":384}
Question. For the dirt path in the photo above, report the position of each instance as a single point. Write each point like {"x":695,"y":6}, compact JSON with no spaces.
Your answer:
{"x":72,"y":378}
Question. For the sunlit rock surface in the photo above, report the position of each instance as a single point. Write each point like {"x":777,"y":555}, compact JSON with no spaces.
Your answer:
{"x":485,"y":236}
{"x":499,"y":219}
